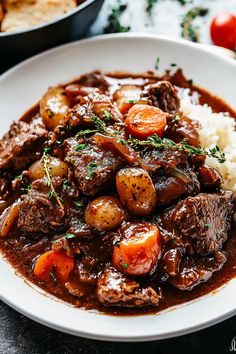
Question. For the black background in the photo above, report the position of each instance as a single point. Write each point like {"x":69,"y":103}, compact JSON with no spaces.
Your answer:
{"x":19,"y":335}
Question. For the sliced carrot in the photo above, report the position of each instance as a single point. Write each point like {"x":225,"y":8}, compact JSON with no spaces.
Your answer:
{"x":139,"y":249}
{"x":143,"y":121}
{"x":51,"y":264}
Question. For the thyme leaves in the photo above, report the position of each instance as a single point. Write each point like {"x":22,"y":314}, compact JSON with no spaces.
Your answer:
{"x":189,"y":30}
{"x":47,"y":169}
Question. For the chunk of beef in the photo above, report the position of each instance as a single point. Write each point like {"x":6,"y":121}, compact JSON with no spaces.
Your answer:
{"x":94,"y":104}
{"x":115,"y":289}
{"x":184,"y":128}
{"x":209,"y":177}
{"x":169,"y":160}
{"x":162,"y":95}
{"x":94,"y":166}
{"x":19,"y":147}
{"x":37,"y":211}
{"x":170,"y":188}
{"x":203,"y":219}
{"x":194,"y":271}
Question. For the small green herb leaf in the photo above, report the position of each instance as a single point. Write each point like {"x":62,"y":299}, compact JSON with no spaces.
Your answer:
{"x":124,"y":265}
{"x":70,"y":236}
{"x":107,"y":115}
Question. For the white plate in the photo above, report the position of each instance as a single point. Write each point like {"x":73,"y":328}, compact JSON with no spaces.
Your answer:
{"x":23,"y":85}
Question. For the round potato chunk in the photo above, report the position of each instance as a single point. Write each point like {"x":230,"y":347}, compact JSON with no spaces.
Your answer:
{"x":57,"y":168}
{"x":136,"y":190}
{"x":53,"y":107}
{"x":105,"y":213}
{"x":138,"y":250}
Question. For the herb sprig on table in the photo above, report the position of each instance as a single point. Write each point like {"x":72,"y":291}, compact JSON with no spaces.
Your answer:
{"x":189,"y":30}
{"x":114,"y":20}
{"x":150,"y":6}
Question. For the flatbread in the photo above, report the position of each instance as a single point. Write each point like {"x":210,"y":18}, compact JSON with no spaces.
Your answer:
{"x":23,"y":14}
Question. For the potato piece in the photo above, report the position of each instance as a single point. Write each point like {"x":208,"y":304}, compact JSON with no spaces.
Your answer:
{"x":8,"y":219}
{"x":126,"y":97}
{"x":136,"y":190}
{"x":53,"y":107}
{"x":105,"y":213}
{"x":138,"y":250}
{"x":57,"y":168}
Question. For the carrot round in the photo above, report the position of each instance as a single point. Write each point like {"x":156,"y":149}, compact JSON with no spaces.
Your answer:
{"x":54,"y":264}
{"x":139,"y":249}
{"x":143,"y":121}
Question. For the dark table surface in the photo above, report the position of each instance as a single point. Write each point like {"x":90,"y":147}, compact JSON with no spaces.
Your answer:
{"x":19,"y":335}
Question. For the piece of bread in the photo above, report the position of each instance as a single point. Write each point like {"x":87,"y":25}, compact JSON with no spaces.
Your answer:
{"x":22,"y":14}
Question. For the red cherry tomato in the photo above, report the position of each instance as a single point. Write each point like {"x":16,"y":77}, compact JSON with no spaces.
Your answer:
{"x":223,"y":31}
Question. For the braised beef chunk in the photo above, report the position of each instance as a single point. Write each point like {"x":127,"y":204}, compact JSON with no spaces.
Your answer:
{"x":204,"y":219}
{"x":194,"y":271}
{"x":115,"y":289}
{"x":183,"y":128}
{"x":209,"y":177}
{"x":170,"y":160}
{"x":170,"y":188}
{"x":94,"y":104}
{"x":162,"y":95}
{"x":21,"y":144}
{"x":38,"y":213}
{"x":94,"y":167}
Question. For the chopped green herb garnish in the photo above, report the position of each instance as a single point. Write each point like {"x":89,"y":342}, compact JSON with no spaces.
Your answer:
{"x":176,"y":118}
{"x":207,"y":226}
{"x":91,"y":168}
{"x":123,"y":142}
{"x":69,"y":236}
{"x":20,"y":177}
{"x":28,"y":188}
{"x":65,"y":185}
{"x":52,"y":275}
{"x":132,"y":100}
{"x":107,"y":115}
{"x":41,"y":282}
{"x":157,"y":63}
{"x":190,"y":82}
{"x":124,"y":265}
{"x":47,"y":149}
{"x":80,"y":147}
{"x":78,"y":204}
{"x":173,"y":64}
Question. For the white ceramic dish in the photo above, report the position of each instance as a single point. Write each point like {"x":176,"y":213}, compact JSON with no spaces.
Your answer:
{"x":23,"y":85}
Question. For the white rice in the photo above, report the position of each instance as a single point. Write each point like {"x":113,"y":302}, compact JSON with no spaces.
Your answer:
{"x":216,"y":129}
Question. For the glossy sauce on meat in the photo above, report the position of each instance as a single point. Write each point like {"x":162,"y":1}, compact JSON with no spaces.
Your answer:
{"x":180,"y":184}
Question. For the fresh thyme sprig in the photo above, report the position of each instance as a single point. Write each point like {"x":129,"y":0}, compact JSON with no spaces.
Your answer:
{"x":47,"y":169}
{"x":150,"y":5}
{"x":114,"y":19}
{"x":160,"y":144}
{"x":190,"y":31}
